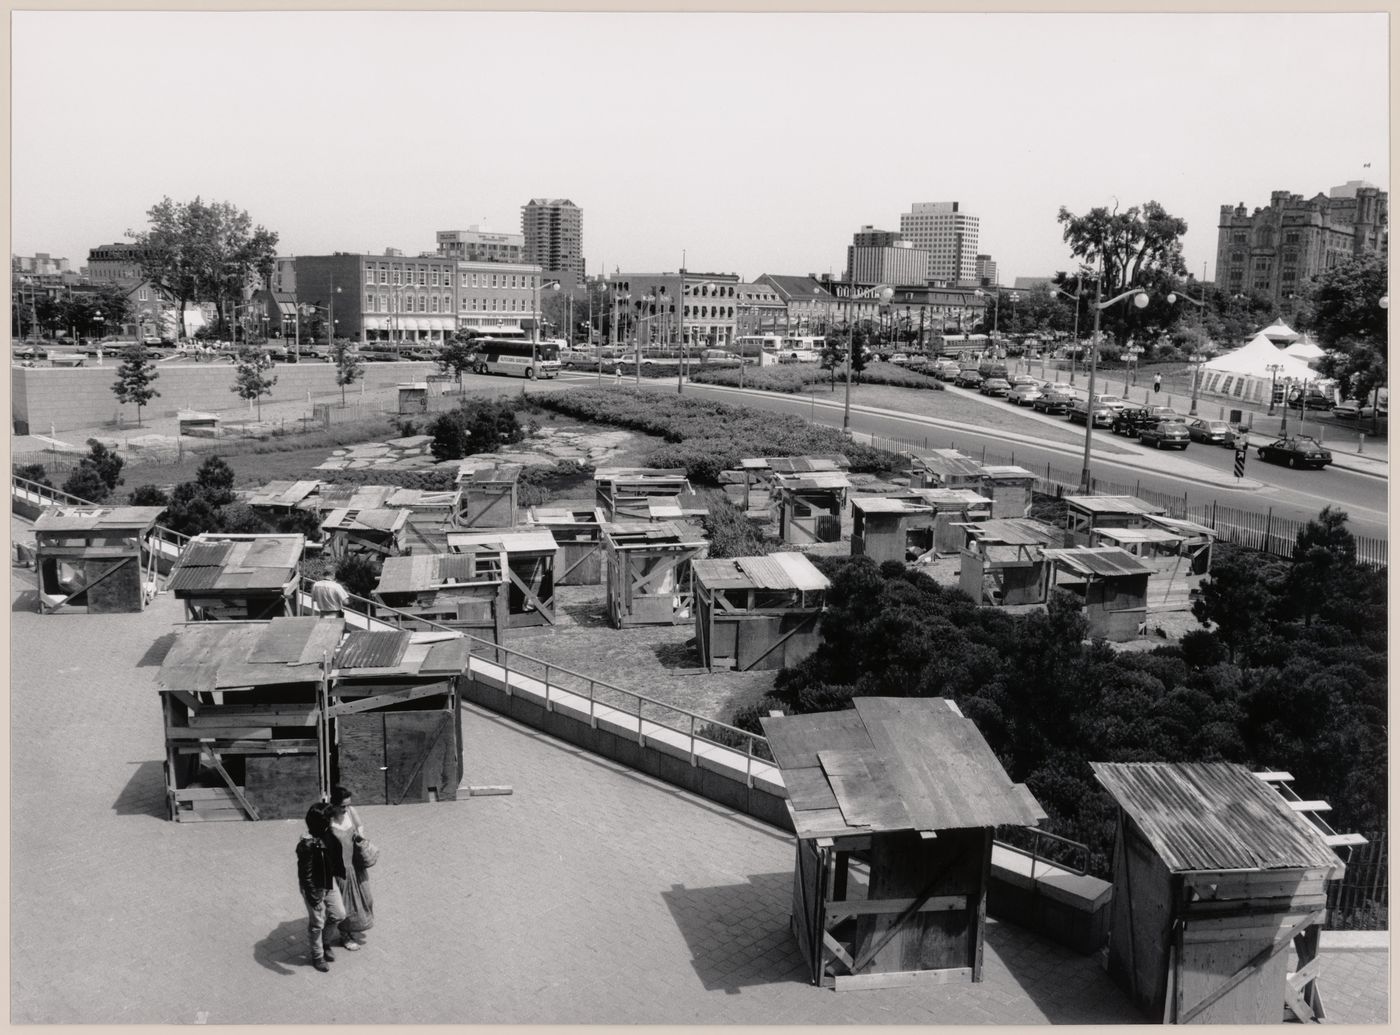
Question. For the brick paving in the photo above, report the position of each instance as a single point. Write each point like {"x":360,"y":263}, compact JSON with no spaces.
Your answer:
{"x":591,"y":894}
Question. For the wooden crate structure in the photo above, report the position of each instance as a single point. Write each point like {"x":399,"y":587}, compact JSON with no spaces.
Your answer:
{"x":758,"y":612}
{"x":376,"y":533}
{"x":466,"y":590}
{"x":1163,"y":551}
{"x":810,"y":505}
{"x":236,"y":577}
{"x":283,"y":496}
{"x":890,"y":528}
{"x":623,"y":493}
{"x":944,"y":469}
{"x":759,"y":471}
{"x":1214,"y":876}
{"x":910,"y":785}
{"x":413,"y":397}
{"x":650,"y":581}
{"x":1111,"y":582}
{"x":1198,"y":540}
{"x":396,"y":716}
{"x":95,"y":560}
{"x":579,"y":535}
{"x":241,"y":707}
{"x":951,"y":509}
{"x":1083,"y":514}
{"x":530,"y":554}
{"x":1009,"y":489}
{"x":490,"y":495}
{"x":1003,"y":563}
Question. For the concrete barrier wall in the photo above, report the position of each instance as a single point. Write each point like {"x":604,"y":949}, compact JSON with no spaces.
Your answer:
{"x":80,"y":397}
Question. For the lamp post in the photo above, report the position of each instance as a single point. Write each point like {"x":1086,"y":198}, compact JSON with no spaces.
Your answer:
{"x":681,"y":370}
{"x":1274,"y":370}
{"x":643,"y":301}
{"x":1074,"y":348}
{"x":1139,"y":297}
{"x":1197,"y":358}
{"x":1200,"y":304}
{"x":1132,"y":352}
{"x":884,"y":293}
{"x":1384,"y":303}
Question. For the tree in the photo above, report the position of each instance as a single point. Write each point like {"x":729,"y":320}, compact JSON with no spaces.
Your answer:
{"x":1237,"y":598}
{"x":1345,"y":315}
{"x":357,"y":573}
{"x":105,"y":462}
{"x":136,"y":377}
{"x":833,"y":355}
{"x":35,"y":473}
{"x":87,"y":484}
{"x":456,"y":357}
{"x":202,"y":251}
{"x":348,"y":366}
{"x":1324,"y":563}
{"x":250,"y":380}
{"x":482,"y":427}
{"x":149,"y":496}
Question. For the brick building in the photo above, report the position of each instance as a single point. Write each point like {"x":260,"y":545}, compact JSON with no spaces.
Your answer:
{"x":711,"y":306}
{"x":760,"y":310}
{"x":1276,"y":250}
{"x":389,"y":297}
{"x":809,"y":305}
{"x":476,"y":245}
{"x":497,"y":296}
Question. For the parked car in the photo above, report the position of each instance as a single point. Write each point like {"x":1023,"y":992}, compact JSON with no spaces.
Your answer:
{"x":1131,"y":419}
{"x":1110,"y":402}
{"x":1314,"y":400}
{"x":1165,"y":413}
{"x":994,"y":386}
{"x":945,"y":370}
{"x":1165,"y":434}
{"x":1023,"y":395}
{"x":1296,"y":451}
{"x":420,"y":355}
{"x":31,"y":351}
{"x":901,"y":358}
{"x":1213,"y":432}
{"x":968,"y":378}
{"x":1079,"y":413}
{"x":1022,"y":379}
{"x":1052,"y":400}
{"x":378,"y":355}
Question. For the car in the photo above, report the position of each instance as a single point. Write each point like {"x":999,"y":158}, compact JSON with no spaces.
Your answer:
{"x":900,"y":357}
{"x":1296,"y":451}
{"x":1052,"y":400}
{"x":1165,"y":413}
{"x":1130,"y":420}
{"x":1348,"y":410}
{"x":1023,"y":395}
{"x":968,"y":378}
{"x":1213,"y":432}
{"x":30,"y":351}
{"x":1165,"y":434}
{"x":1022,"y":379}
{"x":378,"y":355}
{"x":420,"y":355}
{"x":946,"y":370}
{"x":1314,"y":400}
{"x":151,"y":340}
{"x":1110,"y":402}
{"x":1079,"y":413}
{"x":994,"y":386}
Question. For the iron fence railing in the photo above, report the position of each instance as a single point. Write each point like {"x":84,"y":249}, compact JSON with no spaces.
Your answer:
{"x":1360,"y":901}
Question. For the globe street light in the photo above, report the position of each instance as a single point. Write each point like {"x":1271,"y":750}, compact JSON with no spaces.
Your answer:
{"x":1197,"y":358}
{"x":1274,"y":370}
{"x":1057,"y":290}
{"x":884,"y":293}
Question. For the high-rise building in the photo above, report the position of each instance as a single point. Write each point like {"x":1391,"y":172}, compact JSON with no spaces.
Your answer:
{"x":553,"y":230}
{"x":1276,"y":250}
{"x":884,"y":257}
{"x":948,"y":234}
{"x":476,"y":245}
{"x":986,"y":270}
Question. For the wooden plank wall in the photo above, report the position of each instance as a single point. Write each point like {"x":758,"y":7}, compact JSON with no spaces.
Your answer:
{"x":281,"y":786}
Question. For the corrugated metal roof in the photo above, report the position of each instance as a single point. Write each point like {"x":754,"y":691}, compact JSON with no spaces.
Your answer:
{"x":188,"y":578}
{"x":232,"y":562}
{"x":365,"y":649}
{"x":807,"y":464}
{"x":281,"y":493}
{"x":374,"y":520}
{"x":952,"y":499}
{"x":1100,"y":561}
{"x":63,"y":518}
{"x":1214,"y":816}
{"x":948,"y":461}
{"x":624,"y":533}
{"x":407,"y":573}
{"x":483,"y":474}
{"x":562,"y":516}
{"x":210,"y":656}
{"x":800,"y":570}
{"x":814,"y":480}
{"x":203,"y":553}
{"x":1112,"y":505}
{"x":639,"y":474}
{"x":1015,"y":532}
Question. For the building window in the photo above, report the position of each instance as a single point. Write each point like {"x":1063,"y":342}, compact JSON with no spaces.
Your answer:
{"x":1237,"y":257}
{"x":493,"y":280}
{"x":435,"y":278}
{"x":1225,"y":388}
{"x":383,"y":275}
{"x":422,"y":278}
{"x":369,"y":302}
{"x":1238,"y":237}
{"x":474,"y":284}
{"x":398,"y":277}
{"x":1291,"y":238}
{"x":493,"y":305}
{"x":447,"y":280}
{"x":369,"y":274}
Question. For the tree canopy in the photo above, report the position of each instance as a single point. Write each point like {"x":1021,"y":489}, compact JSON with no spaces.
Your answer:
{"x":136,"y":378}
{"x":1345,"y":315}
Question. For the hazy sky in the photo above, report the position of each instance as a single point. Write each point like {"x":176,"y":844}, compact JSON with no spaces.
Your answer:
{"x":758,"y":143}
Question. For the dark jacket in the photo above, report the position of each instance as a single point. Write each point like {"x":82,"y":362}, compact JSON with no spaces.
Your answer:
{"x":319,"y":862}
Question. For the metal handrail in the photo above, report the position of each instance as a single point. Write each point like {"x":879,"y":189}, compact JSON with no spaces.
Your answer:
{"x":1034,"y":851}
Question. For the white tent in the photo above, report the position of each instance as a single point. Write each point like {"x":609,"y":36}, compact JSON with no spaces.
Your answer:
{"x":1306,"y":350}
{"x":1279,"y":332}
{"x":1244,"y":374}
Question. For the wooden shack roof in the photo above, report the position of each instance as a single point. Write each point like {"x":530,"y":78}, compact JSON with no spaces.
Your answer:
{"x":640,"y":474}
{"x":1183,"y":526}
{"x":421,"y":572}
{"x":890,"y":505}
{"x":946,"y":498}
{"x":1112,"y":505}
{"x":564,"y":517}
{"x":64,"y":518}
{"x":413,"y":386}
{"x":196,"y":417}
{"x":1139,"y":535}
{"x":948,"y":461}
{"x":517,"y":540}
{"x":281,"y":493}
{"x":682,"y":505}
{"x":893,"y":763}
{"x":1214,"y":816}
{"x":408,"y":499}
{"x":813,"y":480}
{"x":998,"y":471}
{"x":345,"y":496}
{"x":785,"y":570}
{"x":384,"y":655}
{"x":477,"y":473}
{"x":1098,"y":561}
{"x":800,"y":464}
{"x":374,"y":519}
{"x":209,"y":656}
{"x":623,"y":534}
{"x":216,"y":561}
{"x":1014,"y":532}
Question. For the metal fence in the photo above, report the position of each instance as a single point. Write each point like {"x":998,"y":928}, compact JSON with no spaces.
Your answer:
{"x":1360,"y":901}
{"x":1261,"y":530}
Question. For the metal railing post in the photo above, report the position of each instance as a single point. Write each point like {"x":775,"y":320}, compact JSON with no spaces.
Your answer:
{"x":693,"y":760}
{"x":592,"y":715}
{"x":547,"y":706}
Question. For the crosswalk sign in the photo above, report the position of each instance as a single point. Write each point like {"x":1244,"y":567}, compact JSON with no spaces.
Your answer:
{"x":1240,"y":455}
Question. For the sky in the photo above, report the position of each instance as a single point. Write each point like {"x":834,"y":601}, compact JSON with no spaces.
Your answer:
{"x":744,"y":143}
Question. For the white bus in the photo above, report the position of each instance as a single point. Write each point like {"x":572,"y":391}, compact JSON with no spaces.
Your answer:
{"x":512,"y":356}
{"x":805,"y":349}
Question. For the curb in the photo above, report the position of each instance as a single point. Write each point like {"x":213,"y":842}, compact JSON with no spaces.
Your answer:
{"x":1355,"y":941}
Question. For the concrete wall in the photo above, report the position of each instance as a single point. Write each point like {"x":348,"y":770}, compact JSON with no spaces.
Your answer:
{"x":81,"y":397}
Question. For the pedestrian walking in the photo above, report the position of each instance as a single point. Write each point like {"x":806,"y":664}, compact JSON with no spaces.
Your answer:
{"x":354,"y":886}
{"x":319,"y":868}
{"x":1157,"y":382}
{"x":328,"y":597}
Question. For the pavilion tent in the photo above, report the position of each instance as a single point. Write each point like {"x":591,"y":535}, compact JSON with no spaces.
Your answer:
{"x":1244,"y":374}
{"x":1280,"y":333}
{"x":1305,"y":349}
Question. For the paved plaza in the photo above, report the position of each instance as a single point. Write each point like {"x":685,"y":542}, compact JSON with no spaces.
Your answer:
{"x":591,"y":894}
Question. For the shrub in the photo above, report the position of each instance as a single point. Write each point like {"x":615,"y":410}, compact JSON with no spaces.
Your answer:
{"x":35,"y":473}
{"x":307,"y":522}
{"x":428,"y":479}
{"x":87,"y":484}
{"x":730,"y":532}
{"x":241,"y":518}
{"x":475,"y":427}
{"x":357,"y":573}
{"x":796,"y":378}
{"x":105,"y":462}
{"x":149,"y":496}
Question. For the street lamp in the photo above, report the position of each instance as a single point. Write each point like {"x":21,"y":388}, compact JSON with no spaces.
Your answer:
{"x":1200,"y":304}
{"x":884,"y":293}
{"x":1132,"y":352}
{"x":1054,"y":290}
{"x":1274,"y":370}
{"x":1140,"y":299}
{"x":1197,"y":358}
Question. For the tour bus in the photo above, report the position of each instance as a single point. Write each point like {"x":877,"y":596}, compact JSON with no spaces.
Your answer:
{"x":752,"y":346}
{"x":512,"y":356}
{"x":803,"y":348}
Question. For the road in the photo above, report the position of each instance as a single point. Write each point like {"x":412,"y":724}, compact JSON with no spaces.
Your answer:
{"x":1293,"y":494}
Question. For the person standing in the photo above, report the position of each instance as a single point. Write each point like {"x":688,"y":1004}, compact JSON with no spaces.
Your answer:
{"x":354,"y":885}
{"x":328,"y":597}
{"x":319,"y":871}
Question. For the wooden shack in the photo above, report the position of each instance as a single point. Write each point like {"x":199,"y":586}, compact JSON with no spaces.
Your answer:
{"x":241,"y":705}
{"x":810,"y":505}
{"x":232,"y":577}
{"x":944,"y":469}
{"x":1009,"y":489}
{"x":466,"y":590}
{"x":759,"y":471}
{"x":890,"y":528}
{"x":1215,"y":876}
{"x":1112,"y":584}
{"x":428,"y":509}
{"x":198,"y":425}
{"x":910,"y":786}
{"x":758,"y":612}
{"x":1197,"y":543}
{"x":490,"y":495}
{"x":283,"y":496}
{"x":352,"y":496}
{"x":624,"y":492}
{"x":1003,"y":561}
{"x":1083,"y":514}
{"x":1163,"y":551}
{"x":413,"y":397}
{"x":579,"y":535}
{"x":530,"y":555}
{"x":397,"y":716}
{"x":649,"y":571}
{"x":951,"y":509}
{"x":376,"y":533}
{"x":95,"y":559}
{"x":689,"y":508}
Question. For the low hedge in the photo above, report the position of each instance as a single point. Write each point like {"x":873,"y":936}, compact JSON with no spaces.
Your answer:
{"x":795,"y":378}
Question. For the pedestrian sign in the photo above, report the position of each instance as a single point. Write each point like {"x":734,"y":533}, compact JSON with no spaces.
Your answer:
{"x":1240,"y":455}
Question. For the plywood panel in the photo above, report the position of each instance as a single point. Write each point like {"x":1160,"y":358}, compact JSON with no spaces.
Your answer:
{"x":756,"y":635}
{"x":281,"y":786}
{"x":422,"y":755}
{"x":1258,"y":999}
{"x":119,"y":592}
{"x":360,"y":755}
